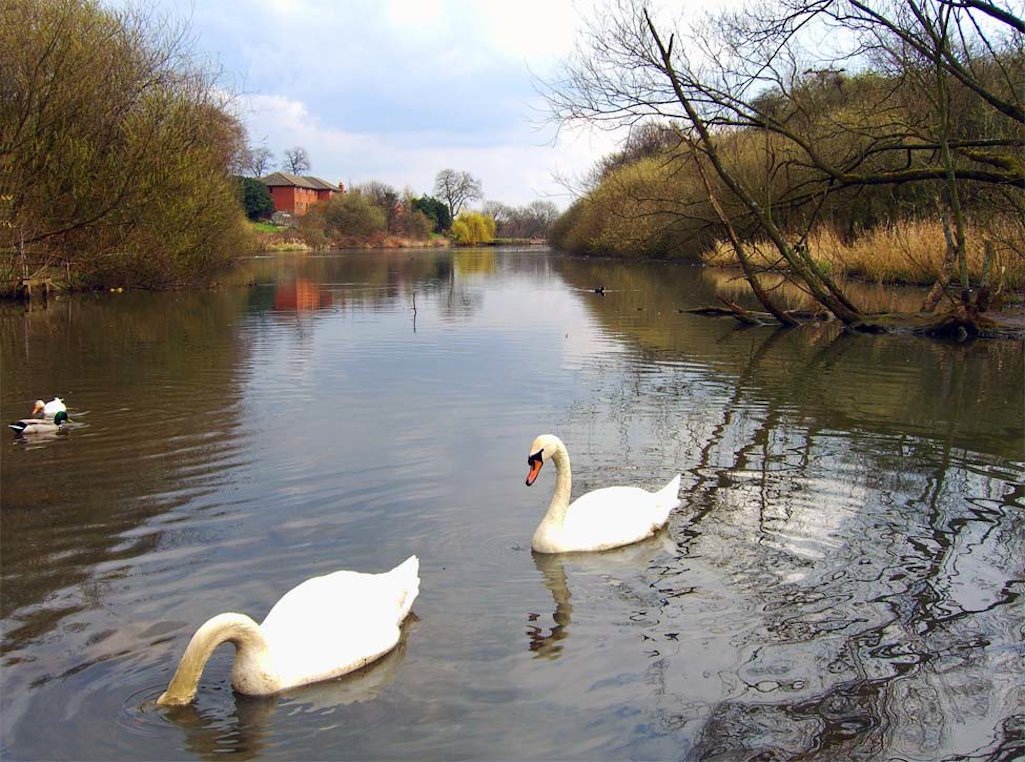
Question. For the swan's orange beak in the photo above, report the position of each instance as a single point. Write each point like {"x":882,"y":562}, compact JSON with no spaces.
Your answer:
{"x":535,"y":462}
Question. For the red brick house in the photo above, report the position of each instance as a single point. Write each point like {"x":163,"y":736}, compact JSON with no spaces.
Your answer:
{"x":295,"y":193}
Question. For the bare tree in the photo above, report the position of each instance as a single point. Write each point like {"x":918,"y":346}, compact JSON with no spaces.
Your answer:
{"x":500,"y":213}
{"x":261,"y":159}
{"x":542,"y":214}
{"x":531,"y":221}
{"x":297,"y":160}
{"x":384,"y":197}
{"x":456,"y":188}
{"x":755,"y":80}
{"x":251,"y":162}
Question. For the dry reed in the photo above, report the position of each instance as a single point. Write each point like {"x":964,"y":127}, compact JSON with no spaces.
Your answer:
{"x":910,"y":252}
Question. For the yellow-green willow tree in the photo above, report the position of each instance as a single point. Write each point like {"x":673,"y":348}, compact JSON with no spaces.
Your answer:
{"x":472,"y":229}
{"x":114,"y":150}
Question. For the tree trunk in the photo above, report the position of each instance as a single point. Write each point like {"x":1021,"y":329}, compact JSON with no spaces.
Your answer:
{"x":738,"y":247}
{"x":821,"y":286}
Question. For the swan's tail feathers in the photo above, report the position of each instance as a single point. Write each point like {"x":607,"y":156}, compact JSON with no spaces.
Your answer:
{"x":669,"y":496}
{"x":408,"y":572}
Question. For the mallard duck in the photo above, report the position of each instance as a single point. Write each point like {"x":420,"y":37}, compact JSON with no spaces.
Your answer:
{"x":324,"y":627}
{"x":602,"y":519}
{"x":28,"y":426}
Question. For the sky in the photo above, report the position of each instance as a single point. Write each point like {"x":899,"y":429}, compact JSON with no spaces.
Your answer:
{"x":397,"y":90}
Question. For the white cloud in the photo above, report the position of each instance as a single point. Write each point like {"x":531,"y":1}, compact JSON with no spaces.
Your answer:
{"x":516,"y":167}
{"x":418,"y":14}
{"x":529,"y":30}
{"x":396,"y":91}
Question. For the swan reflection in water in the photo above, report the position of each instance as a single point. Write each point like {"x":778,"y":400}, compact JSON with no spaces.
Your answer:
{"x":214,"y":732}
{"x":628,"y":559}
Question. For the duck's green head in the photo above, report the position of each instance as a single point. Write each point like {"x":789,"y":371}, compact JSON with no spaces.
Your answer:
{"x":61,"y":417}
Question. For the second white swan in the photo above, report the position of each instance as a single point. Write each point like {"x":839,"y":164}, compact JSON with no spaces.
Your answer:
{"x":323,"y":628}
{"x":599,"y":520}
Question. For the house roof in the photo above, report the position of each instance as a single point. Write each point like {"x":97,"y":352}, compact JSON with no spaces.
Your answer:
{"x":316,"y":182}
{"x":298,"y":181}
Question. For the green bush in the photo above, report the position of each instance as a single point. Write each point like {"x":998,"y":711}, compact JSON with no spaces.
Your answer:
{"x":436,"y":211}
{"x":256,"y":199}
{"x":354,"y":215}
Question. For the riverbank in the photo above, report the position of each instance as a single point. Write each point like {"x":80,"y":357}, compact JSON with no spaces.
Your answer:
{"x":272,"y":238}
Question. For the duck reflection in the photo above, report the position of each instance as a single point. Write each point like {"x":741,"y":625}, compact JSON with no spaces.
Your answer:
{"x":217,"y":732}
{"x":629,"y":558}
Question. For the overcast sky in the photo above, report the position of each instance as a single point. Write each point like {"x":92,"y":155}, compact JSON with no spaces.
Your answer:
{"x":396,"y":90}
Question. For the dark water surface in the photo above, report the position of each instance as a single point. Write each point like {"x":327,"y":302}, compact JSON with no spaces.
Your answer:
{"x":843,"y":581}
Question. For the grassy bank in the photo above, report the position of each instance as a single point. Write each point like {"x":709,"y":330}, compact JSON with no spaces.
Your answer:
{"x":258,"y":226}
{"x":276,"y":238}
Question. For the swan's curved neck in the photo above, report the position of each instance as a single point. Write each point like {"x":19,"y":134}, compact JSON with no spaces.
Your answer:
{"x":237,"y":629}
{"x":563,"y":486}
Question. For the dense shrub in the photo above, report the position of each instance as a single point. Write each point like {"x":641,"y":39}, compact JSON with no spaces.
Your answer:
{"x":256,"y":199}
{"x":371,"y":213}
{"x":436,"y":211}
{"x":115,"y":151}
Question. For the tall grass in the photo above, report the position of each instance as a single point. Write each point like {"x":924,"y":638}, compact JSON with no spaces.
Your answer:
{"x":906,"y":252}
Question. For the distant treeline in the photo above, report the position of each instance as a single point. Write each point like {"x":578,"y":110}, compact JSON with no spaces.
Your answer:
{"x":369,"y":214}
{"x":375,"y":214}
{"x":648,"y":199}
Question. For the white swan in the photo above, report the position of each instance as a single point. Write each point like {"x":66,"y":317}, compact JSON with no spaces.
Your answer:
{"x":602,"y":519}
{"x":324,"y":627}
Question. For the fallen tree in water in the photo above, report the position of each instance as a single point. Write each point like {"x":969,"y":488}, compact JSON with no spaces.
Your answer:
{"x":957,"y":324}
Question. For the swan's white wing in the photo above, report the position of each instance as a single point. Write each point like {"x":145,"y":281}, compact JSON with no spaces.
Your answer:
{"x":613,"y":516}
{"x":334,"y":624}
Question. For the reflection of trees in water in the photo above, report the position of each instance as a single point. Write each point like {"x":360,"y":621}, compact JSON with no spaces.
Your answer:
{"x":374,"y":280}
{"x":836,"y":492}
{"x":168,"y":357}
{"x":886,"y":385}
{"x":876,"y":611}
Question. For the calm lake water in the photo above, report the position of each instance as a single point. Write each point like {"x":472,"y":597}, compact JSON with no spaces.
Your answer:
{"x":843,"y":580}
